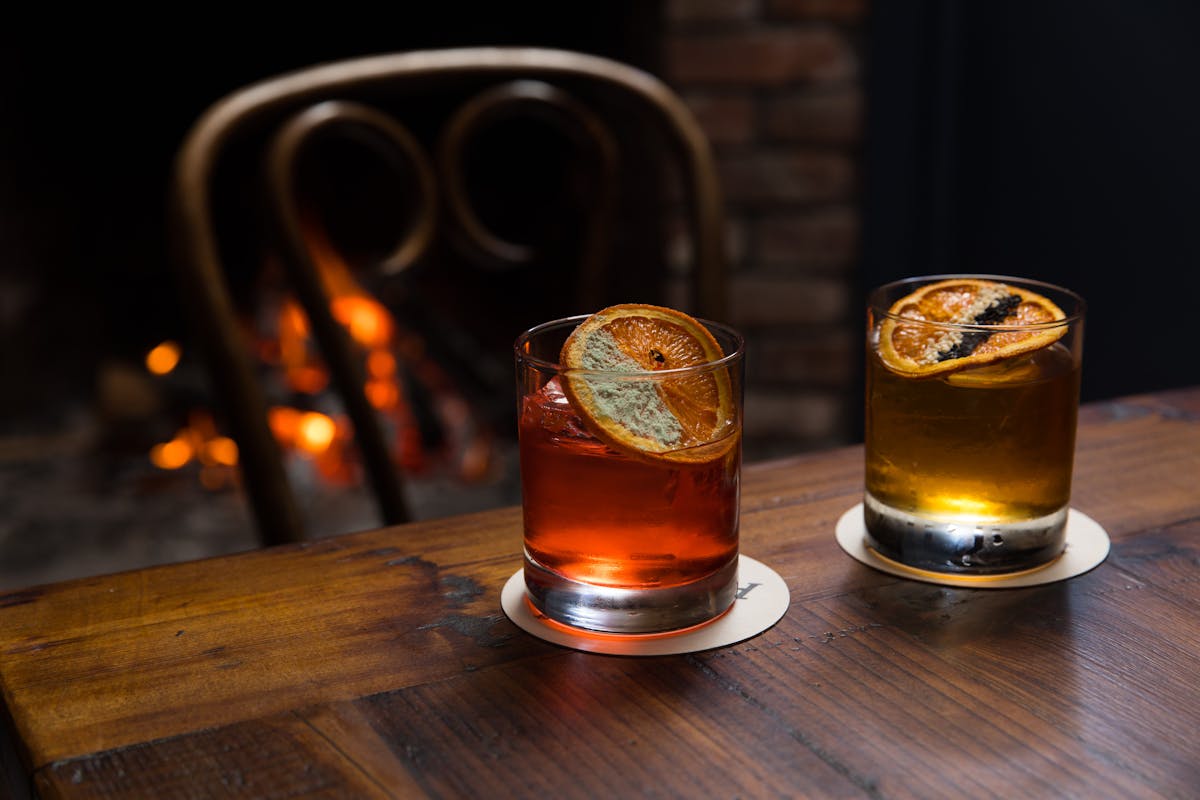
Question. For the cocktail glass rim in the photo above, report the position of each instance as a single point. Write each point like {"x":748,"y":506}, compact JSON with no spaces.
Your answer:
{"x":1077,"y":314}
{"x":543,"y":365}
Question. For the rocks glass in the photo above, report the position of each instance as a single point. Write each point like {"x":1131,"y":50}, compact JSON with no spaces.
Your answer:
{"x":617,"y":540}
{"x":972,"y":389}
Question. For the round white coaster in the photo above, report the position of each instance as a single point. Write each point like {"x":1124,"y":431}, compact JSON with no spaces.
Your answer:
{"x":1087,"y":545}
{"x":762,"y":599}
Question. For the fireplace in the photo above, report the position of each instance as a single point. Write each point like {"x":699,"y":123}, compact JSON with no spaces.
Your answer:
{"x":86,"y":284}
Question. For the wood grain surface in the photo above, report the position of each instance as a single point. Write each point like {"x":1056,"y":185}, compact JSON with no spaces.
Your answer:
{"x":380,"y":665}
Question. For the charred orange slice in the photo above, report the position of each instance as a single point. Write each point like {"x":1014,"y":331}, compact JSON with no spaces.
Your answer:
{"x":684,"y":415}
{"x":969,"y":309}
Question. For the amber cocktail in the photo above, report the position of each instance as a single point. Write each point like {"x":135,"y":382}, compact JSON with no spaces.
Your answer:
{"x":972,"y":391}
{"x":630,"y":470}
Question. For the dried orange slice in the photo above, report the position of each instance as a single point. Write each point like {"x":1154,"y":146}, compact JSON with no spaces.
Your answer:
{"x":682,"y":417}
{"x":917,"y":349}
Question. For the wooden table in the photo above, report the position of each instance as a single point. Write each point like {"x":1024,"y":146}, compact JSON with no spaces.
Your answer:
{"x":380,"y":665}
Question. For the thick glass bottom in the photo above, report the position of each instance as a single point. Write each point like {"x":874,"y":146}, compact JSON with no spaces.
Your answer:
{"x":963,"y":547}
{"x":630,"y":611}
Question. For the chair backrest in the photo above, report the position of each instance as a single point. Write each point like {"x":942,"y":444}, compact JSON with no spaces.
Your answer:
{"x":265,"y":129}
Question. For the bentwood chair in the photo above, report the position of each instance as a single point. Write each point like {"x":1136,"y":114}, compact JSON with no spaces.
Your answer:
{"x":444,"y":126}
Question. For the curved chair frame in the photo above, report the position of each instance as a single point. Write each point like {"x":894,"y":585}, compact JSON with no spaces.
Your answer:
{"x":205,"y":285}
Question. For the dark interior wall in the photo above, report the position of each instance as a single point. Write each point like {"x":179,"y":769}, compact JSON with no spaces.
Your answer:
{"x":1047,"y":140}
{"x":92,"y":111}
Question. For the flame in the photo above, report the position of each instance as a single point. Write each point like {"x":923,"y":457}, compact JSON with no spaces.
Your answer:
{"x":368,"y":322}
{"x":382,"y":390}
{"x":309,"y":431}
{"x":315,"y":433}
{"x":371,"y":326}
{"x":173,"y":454}
{"x":301,"y":368}
{"x":199,"y":441}
{"x":325,"y":440}
{"x":283,"y":421}
{"x":381,"y":364}
{"x":383,"y":395}
{"x":221,"y":451}
{"x":163,"y":358}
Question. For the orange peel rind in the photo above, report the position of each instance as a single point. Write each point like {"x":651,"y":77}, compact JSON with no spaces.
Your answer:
{"x":685,"y":415}
{"x":953,"y":324}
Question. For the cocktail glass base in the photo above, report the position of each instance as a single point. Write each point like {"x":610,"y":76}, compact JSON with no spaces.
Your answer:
{"x":1087,"y":545}
{"x":963,"y":547}
{"x":630,"y":611}
{"x":762,"y":600}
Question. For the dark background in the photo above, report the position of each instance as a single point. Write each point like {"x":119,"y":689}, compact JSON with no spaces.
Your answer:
{"x":92,"y":110}
{"x":1052,"y":140}
{"x":1049,"y":140}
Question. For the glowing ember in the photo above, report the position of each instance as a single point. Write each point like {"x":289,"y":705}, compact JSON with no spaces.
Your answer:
{"x":308,"y":431}
{"x":302,"y":368}
{"x":173,"y":454}
{"x":198,"y":441}
{"x":163,"y":358}
{"x":381,"y":364}
{"x":383,"y":395}
{"x":315,"y":432}
{"x":391,"y":356}
{"x":222,"y":450}
{"x":283,"y":422}
{"x":368,"y":322}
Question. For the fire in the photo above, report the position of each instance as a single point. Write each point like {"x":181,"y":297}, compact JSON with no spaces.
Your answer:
{"x":163,"y":358}
{"x":370,"y":326}
{"x":323,"y":438}
{"x":173,"y":454}
{"x":383,"y":395}
{"x":198,"y":441}
{"x":368,"y":323}
{"x":365,"y":318}
{"x":301,"y":368}
{"x":309,"y":431}
{"x":221,"y":450}
{"x":381,"y":365}
{"x":316,"y":433}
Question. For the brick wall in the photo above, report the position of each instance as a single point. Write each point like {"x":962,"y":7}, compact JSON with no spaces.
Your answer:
{"x":776,"y":84}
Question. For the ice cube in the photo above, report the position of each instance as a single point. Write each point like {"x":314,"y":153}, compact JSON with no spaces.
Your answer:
{"x":550,"y":410}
